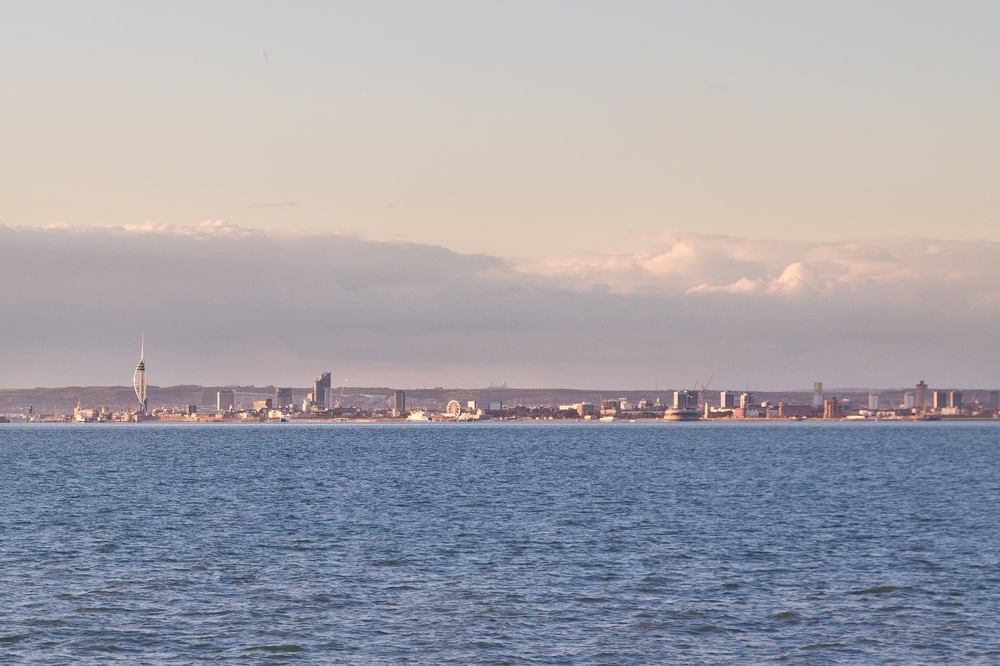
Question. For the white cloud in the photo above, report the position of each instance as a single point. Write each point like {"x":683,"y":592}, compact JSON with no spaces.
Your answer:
{"x":741,"y":286}
{"x":693,"y":264}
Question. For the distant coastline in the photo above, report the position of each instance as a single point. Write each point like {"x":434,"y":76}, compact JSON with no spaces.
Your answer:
{"x":197,"y":404}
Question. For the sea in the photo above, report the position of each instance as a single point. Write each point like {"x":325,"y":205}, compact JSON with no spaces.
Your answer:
{"x":505,"y":543}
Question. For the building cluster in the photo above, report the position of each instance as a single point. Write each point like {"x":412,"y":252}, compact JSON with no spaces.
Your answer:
{"x":324,"y":402}
{"x":926,"y":402}
{"x":105,"y":414}
{"x":921,"y":404}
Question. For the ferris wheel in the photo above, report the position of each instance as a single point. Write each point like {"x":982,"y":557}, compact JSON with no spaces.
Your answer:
{"x":454,"y":408}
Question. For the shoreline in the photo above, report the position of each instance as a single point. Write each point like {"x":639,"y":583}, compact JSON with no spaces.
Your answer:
{"x":495,"y":422}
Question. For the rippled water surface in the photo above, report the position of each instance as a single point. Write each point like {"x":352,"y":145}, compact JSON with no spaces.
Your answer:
{"x":500,"y":544}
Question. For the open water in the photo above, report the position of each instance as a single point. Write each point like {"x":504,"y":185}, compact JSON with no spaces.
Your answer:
{"x":500,"y":544}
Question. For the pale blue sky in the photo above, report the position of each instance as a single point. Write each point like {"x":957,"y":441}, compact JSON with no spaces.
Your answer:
{"x":511,"y":128}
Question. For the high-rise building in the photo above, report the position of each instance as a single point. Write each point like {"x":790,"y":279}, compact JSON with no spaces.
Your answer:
{"x":283,"y":398}
{"x":920,"y":397}
{"x":727,"y":399}
{"x":873,"y":401}
{"x":685,"y":399}
{"x":399,"y":403}
{"x":955,"y":400}
{"x":831,"y":410}
{"x":817,"y":395}
{"x":747,"y":400}
{"x":908,"y":401}
{"x":939,"y":399}
{"x":225,"y":400}
{"x":322,"y":390}
{"x":139,"y":378}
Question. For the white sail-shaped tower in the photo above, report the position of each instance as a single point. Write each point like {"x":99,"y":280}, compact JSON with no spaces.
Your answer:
{"x":139,"y":378}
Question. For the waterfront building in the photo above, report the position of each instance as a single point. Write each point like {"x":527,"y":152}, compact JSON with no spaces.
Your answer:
{"x":225,"y":400}
{"x":955,"y":400}
{"x":84,"y":414}
{"x":908,"y":401}
{"x":831,"y":409}
{"x":322,"y":391}
{"x":793,"y":411}
{"x":920,"y":396}
{"x":262,"y":405}
{"x":685,"y":400}
{"x":283,"y":398}
{"x":940,"y":399}
{"x":817,"y":395}
{"x":873,"y":401}
{"x":398,"y":403}
{"x":681,"y":415}
{"x":747,"y":400}
{"x":610,"y":408}
{"x":727,"y":399}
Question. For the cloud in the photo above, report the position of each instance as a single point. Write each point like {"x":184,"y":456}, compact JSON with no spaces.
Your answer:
{"x":698,"y":264}
{"x":220,"y":304}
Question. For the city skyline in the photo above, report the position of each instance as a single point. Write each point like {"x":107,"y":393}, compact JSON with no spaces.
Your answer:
{"x":190,"y":403}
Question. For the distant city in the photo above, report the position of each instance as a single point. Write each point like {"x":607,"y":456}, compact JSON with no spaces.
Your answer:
{"x":325,"y":402}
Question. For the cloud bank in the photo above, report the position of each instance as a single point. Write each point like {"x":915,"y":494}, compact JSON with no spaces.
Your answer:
{"x":692,"y":263}
{"x":220,"y":304}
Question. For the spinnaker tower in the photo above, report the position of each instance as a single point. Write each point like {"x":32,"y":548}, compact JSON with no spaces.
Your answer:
{"x":139,"y":378}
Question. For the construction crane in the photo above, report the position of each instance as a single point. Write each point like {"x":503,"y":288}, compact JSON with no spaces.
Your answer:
{"x":341,"y":396}
{"x":702,"y":393}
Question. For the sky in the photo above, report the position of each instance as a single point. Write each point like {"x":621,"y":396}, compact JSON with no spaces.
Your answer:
{"x":553,"y":194}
